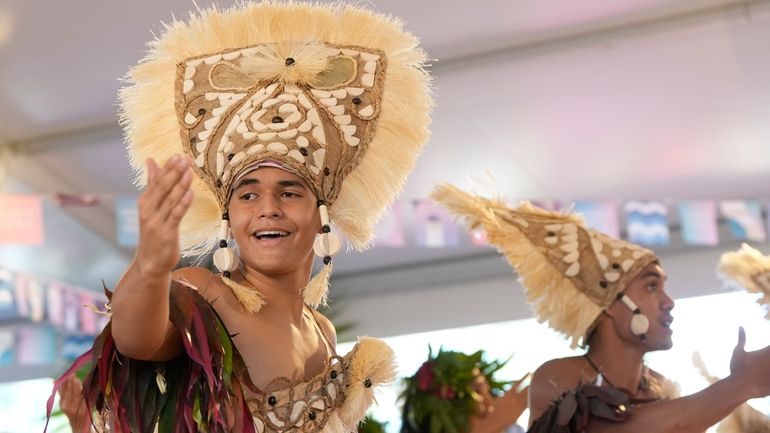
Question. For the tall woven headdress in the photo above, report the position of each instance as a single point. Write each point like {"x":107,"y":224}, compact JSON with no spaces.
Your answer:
{"x":749,"y":268}
{"x":335,"y":94}
{"x":570,"y":272}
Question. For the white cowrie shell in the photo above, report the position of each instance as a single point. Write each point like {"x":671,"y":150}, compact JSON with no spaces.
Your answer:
{"x":342,"y":120}
{"x":201,"y":146}
{"x":296,"y":155}
{"x":224,"y":259}
{"x":306,"y":126}
{"x":603,"y":261}
{"x":304,"y":101}
{"x":318,"y":157}
{"x":278,"y":148}
{"x":318,"y":134}
{"x":571,"y":257}
{"x":212,"y":59}
{"x":573,"y":269}
{"x":189,"y":72}
{"x":237,"y":158}
{"x":258,"y":148}
{"x":354,"y":91}
{"x":321,"y":93}
{"x":366,"y":111}
{"x":204,"y":135}
{"x":352,"y":141}
{"x":231,"y":55}
{"x":312,"y":116}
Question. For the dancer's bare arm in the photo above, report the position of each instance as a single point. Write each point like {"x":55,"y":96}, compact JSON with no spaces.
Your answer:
{"x":140,"y":304}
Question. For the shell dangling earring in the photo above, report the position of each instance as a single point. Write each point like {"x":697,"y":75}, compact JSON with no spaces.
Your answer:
{"x":640,"y":324}
{"x":226,"y":261}
{"x":325,"y":246}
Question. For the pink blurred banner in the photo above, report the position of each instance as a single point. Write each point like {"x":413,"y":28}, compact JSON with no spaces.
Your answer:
{"x":36,"y":297}
{"x":71,"y":310}
{"x":36,"y":345}
{"x":88,"y":318}
{"x":433,"y":226}
{"x":699,"y":222}
{"x":76,"y":200}
{"x":55,"y":304}
{"x":21,"y":219}
{"x":390,"y":229}
{"x":21,"y":295}
{"x":744,"y":219}
{"x":600,"y":215}
{"x":479,"y":238}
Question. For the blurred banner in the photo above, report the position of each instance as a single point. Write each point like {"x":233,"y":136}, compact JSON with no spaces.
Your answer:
{"x":699,"y":222}
{"x":21,"y":219}
{"x":744,"y":219}
{"x":127,"y":221}
{"x":7,"y":304}
{"x":36,"y":345}
{"x":647,"y":222}
{"x":7,"y":346}
{"x":600,"y":215}
{"x":422,"y":223}
{"x":41,"y":314}
{"x":390,"y":230}
{"x":433,"y":226}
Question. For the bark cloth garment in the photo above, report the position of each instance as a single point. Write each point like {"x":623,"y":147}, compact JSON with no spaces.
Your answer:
{"x":571,"y":412}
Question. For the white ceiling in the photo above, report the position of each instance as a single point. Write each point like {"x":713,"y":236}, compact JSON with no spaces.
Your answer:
{"x":557,"y":99}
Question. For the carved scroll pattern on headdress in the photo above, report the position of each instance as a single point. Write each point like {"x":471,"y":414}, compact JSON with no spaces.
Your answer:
{"x":231,"y":117}
{"x":597,"y":270}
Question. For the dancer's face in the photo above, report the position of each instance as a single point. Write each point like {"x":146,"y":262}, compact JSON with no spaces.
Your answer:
{"x":274,"y":219}
{"x":648,"y":291}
